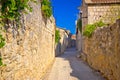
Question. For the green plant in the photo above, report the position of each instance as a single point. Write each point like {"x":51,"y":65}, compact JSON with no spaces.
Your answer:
{"x":79,"y":24}
{"x":2,"y":41}
{"x":90,"y":28}
{"x":46,"y":8}
{"x":57,"y":36}
{"x":99,"y":24}
{"x":10,"y":14}
{"x":12,"y":10}
{"x":1,"y":63}
{"x":2,"y":44}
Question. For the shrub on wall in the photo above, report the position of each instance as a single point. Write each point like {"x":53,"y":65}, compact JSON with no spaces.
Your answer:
{"x":57,"y":36}
{"x":90,"y":28}
{"x":46,"y":8}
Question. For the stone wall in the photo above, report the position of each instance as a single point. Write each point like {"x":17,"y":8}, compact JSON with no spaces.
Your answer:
{"x":102,"y":50}
{"x":106,"y":12}
{"x":28,"y":56}
{"x":63,"y":43}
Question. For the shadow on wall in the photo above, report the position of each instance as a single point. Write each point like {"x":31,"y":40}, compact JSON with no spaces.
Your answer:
{"x":58,"y":49}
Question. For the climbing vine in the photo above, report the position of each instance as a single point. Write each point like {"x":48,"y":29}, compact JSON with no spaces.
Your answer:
{"x":46,"y":8}
{"x":79,"y":24}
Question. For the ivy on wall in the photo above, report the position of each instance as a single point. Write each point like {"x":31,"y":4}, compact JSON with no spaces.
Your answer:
{"x":46,"y":8}
{"x":79,"y":24}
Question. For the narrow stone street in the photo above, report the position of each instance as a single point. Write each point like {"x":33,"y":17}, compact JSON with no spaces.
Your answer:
{"x":69,"y":67}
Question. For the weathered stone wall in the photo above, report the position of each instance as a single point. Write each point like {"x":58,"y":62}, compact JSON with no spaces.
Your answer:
{"x":102,"y":50}
{"x":106,"y":12}
{"x":28,"y":56}
{"x":63,"y":43}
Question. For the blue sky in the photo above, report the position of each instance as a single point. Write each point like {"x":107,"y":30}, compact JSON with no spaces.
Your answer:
{"x":65,"y":13}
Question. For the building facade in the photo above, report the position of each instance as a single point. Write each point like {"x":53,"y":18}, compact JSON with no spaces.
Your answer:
{"x":95,"y":10}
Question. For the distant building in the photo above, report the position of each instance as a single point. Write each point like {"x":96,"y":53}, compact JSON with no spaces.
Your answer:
{"x":64,"y":41}
{"x":73,"y":37}
{"x":95,"y":10}
{"x":73,"y":40}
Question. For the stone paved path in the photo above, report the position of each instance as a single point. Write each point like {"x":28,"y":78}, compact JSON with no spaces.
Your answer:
{"x":69,"y":67}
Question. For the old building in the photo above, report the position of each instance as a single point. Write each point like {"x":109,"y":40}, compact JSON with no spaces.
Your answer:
{"x":64,"y":41}
{"x":73,"y":40}
{"x":92,"y":11}
{"x":95,"y":10}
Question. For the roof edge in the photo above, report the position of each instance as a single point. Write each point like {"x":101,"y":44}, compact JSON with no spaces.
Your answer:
{"x":104,"y":2}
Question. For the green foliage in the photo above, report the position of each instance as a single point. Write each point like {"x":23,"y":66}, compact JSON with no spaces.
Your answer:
{"x":90,"y":28}
{"x":57,"y":36}
{"x":11,"y":9}
{"x":46,"y":8}
{"x":1,"y":63}
{"x":2,"y":41}
{"x":79,"y":24}
{"x":10,"y":13}
{"x":99,"y":24}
